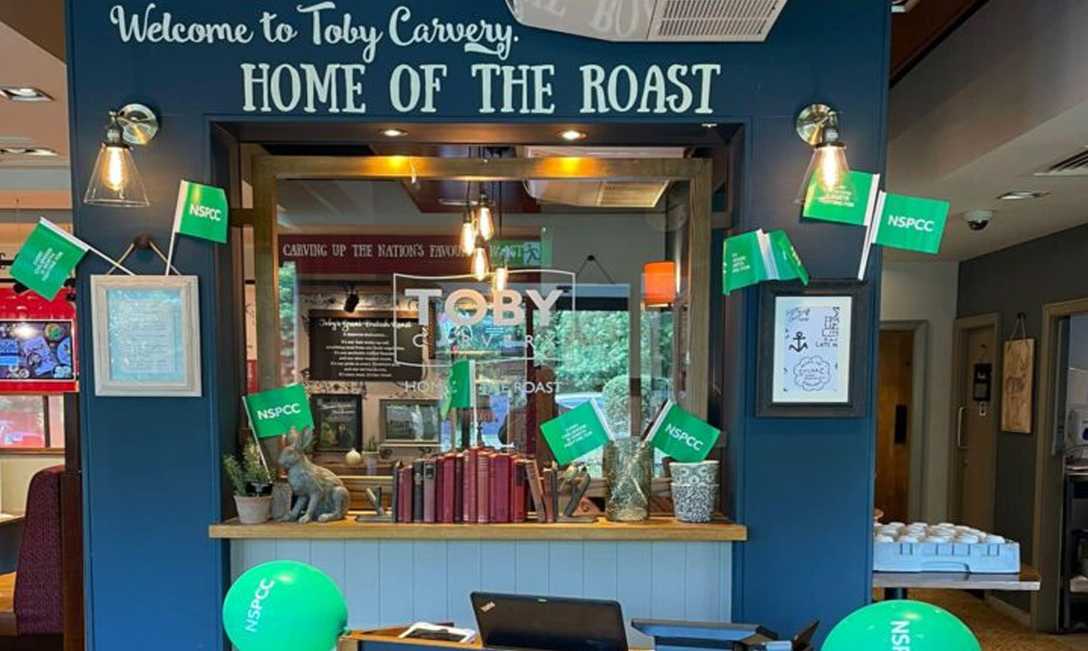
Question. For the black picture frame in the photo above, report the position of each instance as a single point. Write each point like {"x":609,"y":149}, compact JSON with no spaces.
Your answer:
{"x":391,"y":429}
{"x":340,"y":414}
{"x":858,"y":391}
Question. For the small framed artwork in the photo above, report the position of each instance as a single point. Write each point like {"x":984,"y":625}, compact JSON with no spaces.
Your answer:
{"x":338,"y":422}
{"x":1017,"y":377}
{"x":146,"y":335}
{"x":812,"y":358}
{"x":410,"y":422}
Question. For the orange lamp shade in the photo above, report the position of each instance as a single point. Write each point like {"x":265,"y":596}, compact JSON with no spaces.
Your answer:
{"x":659,"y":284}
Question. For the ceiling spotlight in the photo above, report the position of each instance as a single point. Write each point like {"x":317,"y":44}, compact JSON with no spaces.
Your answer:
{"x":1020,"y":195}
{"x":24,"y":94}
{"x":818,"y":125}
{"x":115,"y":180}
{"x":394,"y":133}
{"x":351,"y":302}
{"x":572,"y":135}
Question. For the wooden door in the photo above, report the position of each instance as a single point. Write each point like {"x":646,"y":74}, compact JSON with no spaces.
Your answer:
{"x":975,"y":452}
{"x":896,"y":390}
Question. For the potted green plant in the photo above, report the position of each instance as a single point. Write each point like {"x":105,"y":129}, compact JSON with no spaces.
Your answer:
{"x":252,"y":484}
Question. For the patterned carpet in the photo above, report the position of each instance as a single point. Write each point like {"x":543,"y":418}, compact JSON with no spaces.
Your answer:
{"x":995,"y":631}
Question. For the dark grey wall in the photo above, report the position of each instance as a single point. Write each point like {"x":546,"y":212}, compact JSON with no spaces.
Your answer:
{"x":1022,"y":278}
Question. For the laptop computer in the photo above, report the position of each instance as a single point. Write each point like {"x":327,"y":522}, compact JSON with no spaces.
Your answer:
{"x":520,"y":622}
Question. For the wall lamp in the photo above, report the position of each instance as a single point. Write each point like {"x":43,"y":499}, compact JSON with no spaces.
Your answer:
{"x":115,"y":180}
{"x":818,"y":125}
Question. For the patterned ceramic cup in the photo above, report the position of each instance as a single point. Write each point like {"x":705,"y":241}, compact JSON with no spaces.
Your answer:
{"x":703,"y":472}
{"x":694,"y":502}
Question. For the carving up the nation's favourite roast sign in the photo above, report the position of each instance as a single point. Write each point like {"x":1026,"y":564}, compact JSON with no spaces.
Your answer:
{"x":403,"y":60}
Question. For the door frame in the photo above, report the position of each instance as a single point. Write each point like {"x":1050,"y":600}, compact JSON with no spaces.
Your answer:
{"x":918,"y":446}
{"x":1049,"y":472}
{"x":959,"y":357}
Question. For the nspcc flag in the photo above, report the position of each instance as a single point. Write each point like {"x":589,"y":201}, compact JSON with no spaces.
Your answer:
{"x":47,"y":259}
{"x":202,"y":212}
{"x":576,"y":433}
{"x":681,"y":435}
{"x":275,"y":412}
{"x":911,"y":223}
{"x":850,"y":202}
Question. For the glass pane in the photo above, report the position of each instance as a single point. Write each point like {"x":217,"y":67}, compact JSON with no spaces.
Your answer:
{"x":56,"y":421}
{"x":22,"y":421}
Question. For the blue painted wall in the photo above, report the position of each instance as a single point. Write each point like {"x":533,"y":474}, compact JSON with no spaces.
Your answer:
{"x":151,"y":465}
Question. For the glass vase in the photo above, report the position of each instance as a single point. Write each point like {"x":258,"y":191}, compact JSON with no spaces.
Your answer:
{"x":628,"y":471}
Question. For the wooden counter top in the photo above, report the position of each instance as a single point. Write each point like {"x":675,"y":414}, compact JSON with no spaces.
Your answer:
{"x":654,"y":529}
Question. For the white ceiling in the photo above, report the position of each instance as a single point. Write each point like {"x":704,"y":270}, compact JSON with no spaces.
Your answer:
{"x":30,"y":182}
{"x":1001,"y":98}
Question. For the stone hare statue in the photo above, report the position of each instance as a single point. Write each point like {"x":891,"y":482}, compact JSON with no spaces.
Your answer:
{"x":319,"y":494}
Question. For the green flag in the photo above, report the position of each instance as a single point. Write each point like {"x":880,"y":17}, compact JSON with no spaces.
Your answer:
{"x":751,"y":258}
{"x":681,"y":435}
{"x":202,"y":212}
{"x":576,"y":433}
{"x":787,"y":264}
{"x":850,"y":202}
{"x":275,"y":412}
{"x":47,"y":259}
{"x":742,"y":262}
{"x":460,"y":390}
{"x":909,"y":223}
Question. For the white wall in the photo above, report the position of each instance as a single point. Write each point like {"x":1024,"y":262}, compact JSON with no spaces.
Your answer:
{"x":16,"y":471}
{"x":926,"y":291}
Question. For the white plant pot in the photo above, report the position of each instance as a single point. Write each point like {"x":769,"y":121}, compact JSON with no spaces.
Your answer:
{"x":253,"y":510}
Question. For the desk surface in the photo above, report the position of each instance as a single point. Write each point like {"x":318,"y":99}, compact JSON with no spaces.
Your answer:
{"x":654,"y":529}
{"x":1026,"y":581}
{"x":387,"y":637}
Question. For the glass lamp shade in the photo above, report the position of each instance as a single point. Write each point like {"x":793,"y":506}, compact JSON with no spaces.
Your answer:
{"x":115,"y":180}
{"x":659,"y":284}
{"x":828,"y":167}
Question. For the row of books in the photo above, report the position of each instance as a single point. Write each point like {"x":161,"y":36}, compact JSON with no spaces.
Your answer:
{"x":478,"y":485}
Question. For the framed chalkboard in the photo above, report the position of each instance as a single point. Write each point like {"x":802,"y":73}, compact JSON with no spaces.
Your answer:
{"x":813,"y":354}
{"x":338,"y":422}
{"x":371,"y":346}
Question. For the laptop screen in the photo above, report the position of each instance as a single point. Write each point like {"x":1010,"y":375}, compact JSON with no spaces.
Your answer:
{"x":548,"y":623}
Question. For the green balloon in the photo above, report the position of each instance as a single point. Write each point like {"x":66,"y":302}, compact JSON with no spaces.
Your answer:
{"x":901,"y":626}
{"x":284,"y":606}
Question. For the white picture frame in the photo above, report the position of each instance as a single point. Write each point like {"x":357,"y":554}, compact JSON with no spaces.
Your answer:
{"x":146,"y":336}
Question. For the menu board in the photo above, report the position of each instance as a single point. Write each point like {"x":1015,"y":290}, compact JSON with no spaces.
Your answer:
{"x":350,"y":348}
{"x":36,"y":350}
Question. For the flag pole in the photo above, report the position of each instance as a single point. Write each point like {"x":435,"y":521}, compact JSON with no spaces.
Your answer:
{"x":108,"y":259}
{"x":170,"y":253}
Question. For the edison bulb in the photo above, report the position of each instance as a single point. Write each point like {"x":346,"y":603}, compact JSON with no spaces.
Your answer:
{"x":485,"y":221}
{"x":480,"y":266}
{"x":501,"y":278}
{"x":468,"y":237}
{"x":832,"y":167}
{"x":114,"y":170}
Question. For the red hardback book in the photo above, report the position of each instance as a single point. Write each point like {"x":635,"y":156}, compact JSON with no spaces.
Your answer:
{"x":546,"y":480}
{"x":483,"y":487}
{"x":445,"y":496}
{"x":459,"y":488}
{"x":405,"y":484}
{"x":501,"y":467}
{"x":536,"y":490}
{"x":469,"y":502}
{"x":518,"y":486}
{"x":429,"y":484}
